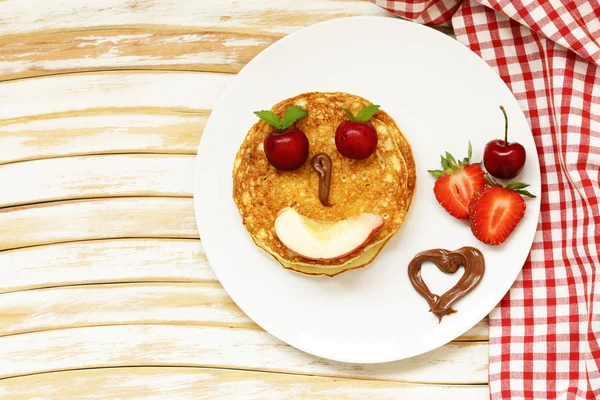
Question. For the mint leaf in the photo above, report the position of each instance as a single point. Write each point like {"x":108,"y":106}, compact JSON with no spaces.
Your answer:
{"x":366,"y":113}
{"x":350,"y":115}
{"x":270,"y":118}
{"x":292,"y":114}
{"x":516,"y":185}
{"x":525,"y":193}
{"x":436,"y":172}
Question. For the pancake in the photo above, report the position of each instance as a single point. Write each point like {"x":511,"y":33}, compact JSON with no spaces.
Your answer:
{"x":382,"y":184}
{"x":363,"y":260}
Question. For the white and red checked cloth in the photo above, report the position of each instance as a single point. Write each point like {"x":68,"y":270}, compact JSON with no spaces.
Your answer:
{"x":545,"y":334}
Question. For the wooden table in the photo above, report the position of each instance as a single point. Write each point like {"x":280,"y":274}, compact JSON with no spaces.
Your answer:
{"x":106,"y":292}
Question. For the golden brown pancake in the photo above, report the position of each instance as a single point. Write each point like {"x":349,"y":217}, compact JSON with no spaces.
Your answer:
{"x":382,"y":184}
{"x":363,"y":260}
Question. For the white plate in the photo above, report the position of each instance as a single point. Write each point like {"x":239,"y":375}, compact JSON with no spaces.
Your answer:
{"x":441,"y":95}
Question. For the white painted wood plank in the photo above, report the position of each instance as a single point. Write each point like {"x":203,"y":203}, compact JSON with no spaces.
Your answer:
{"x":132,"y":303}
{"x":156,"y":47}
{"x":100,"y":261}
{"x":205,"y":383}
{"x":96,"y":176}
{"x":159,"y":303}
{"x":249,"y":349}
{"x":279,"y":16}
{"x":100,"y":134}
{"x":97,"y":219}
{"x":180,"y":91}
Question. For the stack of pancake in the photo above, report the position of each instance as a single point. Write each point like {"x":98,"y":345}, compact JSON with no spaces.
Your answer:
{"x":382,"y":184}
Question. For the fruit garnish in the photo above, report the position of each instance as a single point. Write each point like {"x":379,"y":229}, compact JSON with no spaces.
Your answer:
{"x":292,"y":114}
{"x":286,"y":149}
{"x":457,"y":183}
{"x":495,"y":212}
{"x":324,"y":240}
{"x":357,"y":138}
{"x":502,"y":159}
{"x":518,"y":187}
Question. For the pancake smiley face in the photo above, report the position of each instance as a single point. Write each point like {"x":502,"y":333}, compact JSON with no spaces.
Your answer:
{"x":331,"y":212}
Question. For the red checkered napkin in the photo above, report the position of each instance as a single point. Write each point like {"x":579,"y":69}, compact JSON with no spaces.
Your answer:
{"x":545,"y":334}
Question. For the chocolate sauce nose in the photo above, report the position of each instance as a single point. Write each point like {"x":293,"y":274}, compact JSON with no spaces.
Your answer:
{"x":321,"y":163}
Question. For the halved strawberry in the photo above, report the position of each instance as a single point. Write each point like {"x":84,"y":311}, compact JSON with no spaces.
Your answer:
{"x":495,"y":212}
{"x":457,"y":183}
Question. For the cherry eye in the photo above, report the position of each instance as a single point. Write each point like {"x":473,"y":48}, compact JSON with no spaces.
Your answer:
{"x":286,"y":147}
{"x":357,"y":138}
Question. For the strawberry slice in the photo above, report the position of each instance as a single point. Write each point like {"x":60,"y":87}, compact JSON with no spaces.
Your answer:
{"x":495,"y":212}
{"x":457,"y":183}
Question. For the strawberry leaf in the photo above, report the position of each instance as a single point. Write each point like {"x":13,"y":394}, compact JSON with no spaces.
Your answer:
{"x":491,"y":181}
{"x":525,"y":193}
{"x":516,"y":185}
{"x":469,"y":153}
{"x":451,"y":160}
{"x":270,"y":118}
{"x":451,"y":166}
{"x":292,"y":114}
{"x":350,"y":115}
{"x":366,"y":113}
{"x":436,"y":172}
{"x":445,"y":163}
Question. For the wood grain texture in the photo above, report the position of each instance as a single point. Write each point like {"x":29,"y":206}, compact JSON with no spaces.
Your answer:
{"x":119,"y":131}
{"x":174,"y":383}
{"x":226,"y":45}
{"x":269,"y":16}
{"x":97,"y":219}
{"x":159,"y":303}
{"x":145,"y":92}
{"x":96,"y":176}
{"x":136,"y":303}
{"x":152,"y":47}
{"x":105,"y":261}
{"x":239,"y":348}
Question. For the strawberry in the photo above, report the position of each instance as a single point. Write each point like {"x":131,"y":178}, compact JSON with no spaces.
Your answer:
{"x":495,"y":212}
{"x":457,"y":183}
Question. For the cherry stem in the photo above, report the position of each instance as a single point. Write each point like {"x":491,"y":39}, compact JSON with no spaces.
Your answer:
{"x":505,"y":126}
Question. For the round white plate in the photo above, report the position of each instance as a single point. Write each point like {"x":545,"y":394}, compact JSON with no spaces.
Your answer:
{"x":441,"y":95}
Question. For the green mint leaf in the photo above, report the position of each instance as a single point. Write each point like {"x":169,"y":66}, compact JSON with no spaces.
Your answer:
{"x":525,"y":193}
{"x":350,"y":115}
{"x":292,"y":114}
{"x":516,"y":185}
{"x":469,"y":154}
{"x":451,"y":160}
{"x":436,"y":172}
{"x":366,"y":113}
{"x":270,"y":118}
{"x":445,"y":163}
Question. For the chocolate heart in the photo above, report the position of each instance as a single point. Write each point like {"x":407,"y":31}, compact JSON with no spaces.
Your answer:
{"x":448,"y":262}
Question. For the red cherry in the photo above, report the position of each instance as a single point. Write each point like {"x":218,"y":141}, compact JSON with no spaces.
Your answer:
{"x":287,"y":150}
{"x":356,"y":139}
{"x":502,"y":159}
